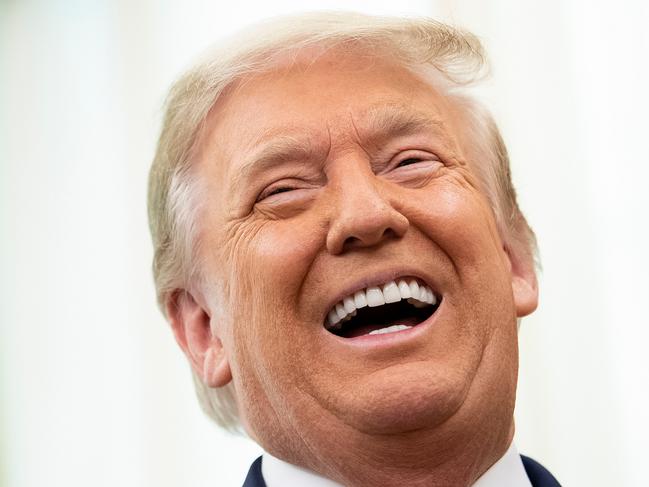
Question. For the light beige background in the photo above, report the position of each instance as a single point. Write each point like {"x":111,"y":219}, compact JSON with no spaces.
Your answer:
{"x":93,"y":388}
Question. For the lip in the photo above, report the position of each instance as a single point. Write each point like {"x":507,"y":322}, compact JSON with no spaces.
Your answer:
{"x":380,"y":278}
{"x":388,"y":340}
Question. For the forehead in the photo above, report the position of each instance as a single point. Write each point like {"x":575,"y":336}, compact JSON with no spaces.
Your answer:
{"x":330,"y":100}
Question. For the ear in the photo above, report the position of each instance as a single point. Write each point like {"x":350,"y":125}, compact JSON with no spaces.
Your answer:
{"x":190,"y":322}
{"x":524,"y":284}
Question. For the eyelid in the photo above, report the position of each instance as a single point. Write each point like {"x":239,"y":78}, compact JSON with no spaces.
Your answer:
{"x":424,"y":156}
{"x":289,"y":184}
{"x":269,"y":191}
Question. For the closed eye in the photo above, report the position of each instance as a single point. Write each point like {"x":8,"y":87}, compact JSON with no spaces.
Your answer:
{"x":273,"y":191}
{"x":411,"y":157}
{"x":282,"y":189}
{"x":297,"y":187}
{"x":412,"y":167}
{"x":408,"y":161}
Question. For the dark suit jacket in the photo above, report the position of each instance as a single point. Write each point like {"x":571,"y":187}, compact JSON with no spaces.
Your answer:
{"x":539,"y":476}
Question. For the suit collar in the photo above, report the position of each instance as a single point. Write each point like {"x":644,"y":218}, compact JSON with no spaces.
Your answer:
{"x":507,"y":471}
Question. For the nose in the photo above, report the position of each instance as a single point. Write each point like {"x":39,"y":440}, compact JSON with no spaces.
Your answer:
{"x":364,"y":216}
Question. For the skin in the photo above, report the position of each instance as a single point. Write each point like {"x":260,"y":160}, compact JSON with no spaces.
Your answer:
{"x":355,"y":201}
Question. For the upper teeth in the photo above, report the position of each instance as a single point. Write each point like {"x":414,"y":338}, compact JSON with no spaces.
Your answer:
{"x":391,"y":292}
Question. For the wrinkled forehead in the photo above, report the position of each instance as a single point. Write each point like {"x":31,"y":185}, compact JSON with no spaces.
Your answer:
{"x":323,"y":97}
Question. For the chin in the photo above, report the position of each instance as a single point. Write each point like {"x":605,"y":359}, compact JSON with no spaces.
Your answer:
{"x":404,"y":398}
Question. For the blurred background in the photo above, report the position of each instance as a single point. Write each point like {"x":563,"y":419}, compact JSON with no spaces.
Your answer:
{"x":94,"y":390}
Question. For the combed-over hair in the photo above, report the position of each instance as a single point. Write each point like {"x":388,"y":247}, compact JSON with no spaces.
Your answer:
{"x":174,"y":197}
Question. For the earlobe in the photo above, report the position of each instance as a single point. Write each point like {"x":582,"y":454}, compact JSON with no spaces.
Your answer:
{"x":524,"y":283}
{"x":526,"y":295}
{"x":190,"y":322}
{"x":216,"y":368}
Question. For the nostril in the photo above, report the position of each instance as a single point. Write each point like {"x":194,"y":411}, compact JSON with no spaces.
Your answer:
{"x":351,"y":242}
{"x":390,"y":233}
{"x":367,"y":240}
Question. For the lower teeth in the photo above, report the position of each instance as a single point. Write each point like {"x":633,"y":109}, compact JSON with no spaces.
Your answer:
{"x":389,"y":329}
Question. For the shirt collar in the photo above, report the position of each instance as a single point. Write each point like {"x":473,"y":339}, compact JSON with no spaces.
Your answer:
{"x":278,"y":473}
{"x":506,"y":472}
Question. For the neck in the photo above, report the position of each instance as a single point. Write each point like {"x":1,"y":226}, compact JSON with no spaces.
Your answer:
{"x":445,"y":456}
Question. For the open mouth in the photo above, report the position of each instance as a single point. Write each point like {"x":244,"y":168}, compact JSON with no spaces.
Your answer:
{"x":390,"y":308}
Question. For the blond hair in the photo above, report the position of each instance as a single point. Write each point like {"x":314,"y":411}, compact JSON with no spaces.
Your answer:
{"x":174,"y":197}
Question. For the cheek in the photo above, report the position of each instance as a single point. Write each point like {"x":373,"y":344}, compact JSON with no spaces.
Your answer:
{"x":257,"y":257}
{"x":271,"y":263}
{"x":267,"y":269}
{"x":459,"y":220}
{"x":286,"y":248}
{"x":278,"y":260}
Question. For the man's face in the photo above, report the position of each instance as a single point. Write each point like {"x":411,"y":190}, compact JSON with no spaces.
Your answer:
{"x":332,"y":177}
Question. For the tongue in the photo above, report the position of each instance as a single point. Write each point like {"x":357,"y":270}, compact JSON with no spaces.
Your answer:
{"x":365,"y":329}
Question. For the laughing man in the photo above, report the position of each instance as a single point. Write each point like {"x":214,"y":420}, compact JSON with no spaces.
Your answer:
{"x":340,"y":254}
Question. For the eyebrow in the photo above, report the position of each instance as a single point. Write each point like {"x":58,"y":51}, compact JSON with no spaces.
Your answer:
{"x":384,"y":121}
{"x":380,"y":122}
{"x":277,"y":151}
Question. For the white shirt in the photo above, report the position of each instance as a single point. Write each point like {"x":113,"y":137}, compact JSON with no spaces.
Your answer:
{"x":506,"y":472}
